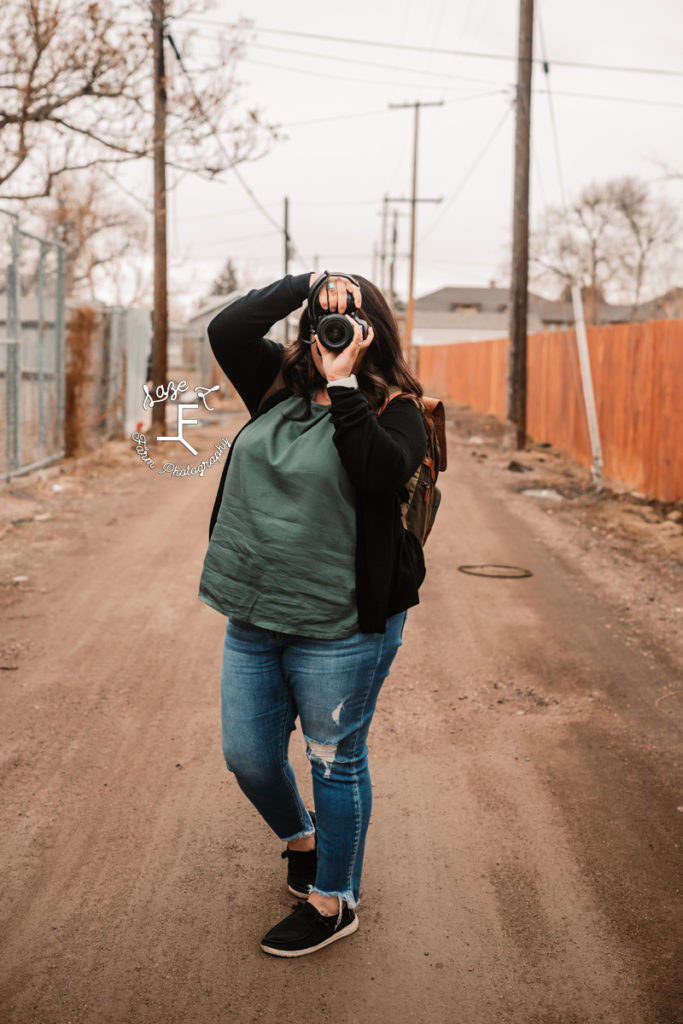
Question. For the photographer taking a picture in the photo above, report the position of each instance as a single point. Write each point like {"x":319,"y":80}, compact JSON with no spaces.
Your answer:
{"x":309,"y":559}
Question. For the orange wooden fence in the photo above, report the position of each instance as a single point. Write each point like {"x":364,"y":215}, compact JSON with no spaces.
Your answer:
{"x":638,"y":382}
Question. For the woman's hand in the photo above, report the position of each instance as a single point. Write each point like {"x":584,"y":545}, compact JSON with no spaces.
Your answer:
{"x":337,"y":365}
{"x":334,"y":300}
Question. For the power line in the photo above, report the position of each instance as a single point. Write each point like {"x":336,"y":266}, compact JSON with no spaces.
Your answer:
{"x":337,"y":117}
{"x":233,"y":168}
{"x":551,"y":108}
{"x":614,"y":99}
{"x":221,"y":241}
{"x":413,"y":48}
{"x":374,"y":113}
{"x":348,"y":60}
{"x":468,"y":174}
{"x":223,"y":213}
{"x":374,"y":64}
{"x":311,"y":73}
{"x":326,"y":203}
{"x":606,"y":97}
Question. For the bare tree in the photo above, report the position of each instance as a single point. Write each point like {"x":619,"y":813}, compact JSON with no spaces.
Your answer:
{"x":612,"y":241}
{"x":75,"y":92}
{"x":651,"y":230}
{"x":576,"y":246}
{"x":99,"y":231}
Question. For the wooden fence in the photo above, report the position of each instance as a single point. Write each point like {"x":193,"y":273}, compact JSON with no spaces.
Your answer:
{"x":638,"y":382}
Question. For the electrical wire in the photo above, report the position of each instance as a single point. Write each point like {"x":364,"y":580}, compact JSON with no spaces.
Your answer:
{"x":348,"y":60}
{"x":413,"y":48}
{"x":329,"y":76}
{"x":439,"y":20}
{"x":465,"y":25}
{"x":551,"y":108}
{"x":468,"y":174}
{"x":374,"y":113}
{"x":241,"y":238}
{"x":606,"y":97}
{"x":615,"y":99}
{"x":233,"y":168}
{"x":326,"y":57}
{"x":224,"y":213}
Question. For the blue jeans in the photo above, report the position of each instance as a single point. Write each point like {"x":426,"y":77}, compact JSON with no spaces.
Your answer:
{"x":268,"y":679}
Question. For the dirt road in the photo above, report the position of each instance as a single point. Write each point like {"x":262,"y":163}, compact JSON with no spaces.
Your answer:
{"x":524,"y":856}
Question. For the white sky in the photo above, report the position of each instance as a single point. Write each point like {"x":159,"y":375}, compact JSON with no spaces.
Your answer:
{"x":336,"y":170}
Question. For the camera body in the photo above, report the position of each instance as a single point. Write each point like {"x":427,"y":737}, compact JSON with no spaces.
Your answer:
{"x":334,"y":330}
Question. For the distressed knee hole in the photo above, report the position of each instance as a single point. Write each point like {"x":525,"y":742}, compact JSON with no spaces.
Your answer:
{"x":323,"y":753}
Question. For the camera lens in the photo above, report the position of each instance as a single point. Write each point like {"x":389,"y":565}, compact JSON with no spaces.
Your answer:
{"x":335,"y":332}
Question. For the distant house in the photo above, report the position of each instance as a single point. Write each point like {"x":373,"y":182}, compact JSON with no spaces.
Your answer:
{"x":456,"y":314}
{"x":467,"y":313}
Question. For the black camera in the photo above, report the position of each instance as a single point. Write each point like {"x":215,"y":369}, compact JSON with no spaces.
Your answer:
{"x":334,"y":330}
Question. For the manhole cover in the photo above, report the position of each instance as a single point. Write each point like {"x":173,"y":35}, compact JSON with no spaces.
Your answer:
{"x":500,"y":572}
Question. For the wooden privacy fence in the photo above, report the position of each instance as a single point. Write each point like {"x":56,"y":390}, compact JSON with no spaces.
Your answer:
{"x":638,"y":381}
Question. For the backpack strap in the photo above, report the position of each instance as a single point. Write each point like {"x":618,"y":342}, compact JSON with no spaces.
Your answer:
{"x":434,"y":412}
{"x":396,"y":394}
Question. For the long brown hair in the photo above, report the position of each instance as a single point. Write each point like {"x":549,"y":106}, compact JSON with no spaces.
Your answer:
{"x":383,"y":368}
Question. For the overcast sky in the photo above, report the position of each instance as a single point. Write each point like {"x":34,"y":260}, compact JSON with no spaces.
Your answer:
{"x":345,"y":148}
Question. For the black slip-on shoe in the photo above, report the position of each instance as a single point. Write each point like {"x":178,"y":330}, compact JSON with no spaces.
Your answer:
{"x":307,"y":930}
{"x":301,"y":869}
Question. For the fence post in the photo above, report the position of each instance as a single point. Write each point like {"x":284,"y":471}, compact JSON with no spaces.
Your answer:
{"x":41,"y":350}
{"x":13,"y":356}
{"x":588,"y":393}
{"x":60,"y":335}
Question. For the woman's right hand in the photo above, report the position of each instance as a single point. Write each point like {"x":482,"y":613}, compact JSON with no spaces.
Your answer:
{"x":334,"y":300}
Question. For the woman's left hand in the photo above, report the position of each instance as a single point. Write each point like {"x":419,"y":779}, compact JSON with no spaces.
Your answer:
{"x":337,"y":365}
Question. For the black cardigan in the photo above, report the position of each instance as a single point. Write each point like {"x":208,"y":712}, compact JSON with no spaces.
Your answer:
{"x":379,"y":453}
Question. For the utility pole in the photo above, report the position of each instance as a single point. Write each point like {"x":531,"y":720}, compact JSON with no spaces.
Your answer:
{"x":160,"y":342}
{"x":388,"y":252}
{"x":392,"y":264}
{"x":383,"y":256}
{"x":410,"y":310}
{"x":286,"y":234}
{"x":517,"y":363}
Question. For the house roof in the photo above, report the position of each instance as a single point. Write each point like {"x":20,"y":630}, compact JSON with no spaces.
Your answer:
{"x":445,"y":299}
{"x":434,"y":319}
{"x":489,"y":300}
{"x":214,"y":304}
{"x":494,"y":302}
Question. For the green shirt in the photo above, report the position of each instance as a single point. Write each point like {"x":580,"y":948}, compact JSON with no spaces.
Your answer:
{"x":282,"y":552}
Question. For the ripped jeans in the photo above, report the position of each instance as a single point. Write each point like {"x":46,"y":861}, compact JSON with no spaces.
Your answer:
{"x":268,"y":679}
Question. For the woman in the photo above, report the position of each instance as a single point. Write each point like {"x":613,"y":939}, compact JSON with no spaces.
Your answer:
{"x":309,"y":558}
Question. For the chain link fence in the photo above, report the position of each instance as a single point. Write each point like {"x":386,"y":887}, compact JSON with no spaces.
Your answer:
{"x":31,"y":348}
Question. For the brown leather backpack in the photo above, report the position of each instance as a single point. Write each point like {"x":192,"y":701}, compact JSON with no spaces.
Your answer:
{"x":424,"y":497}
